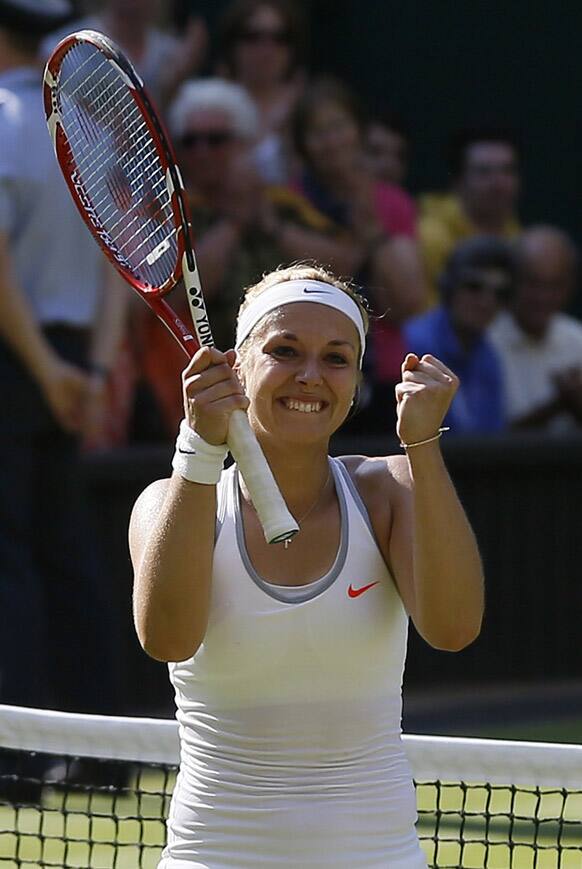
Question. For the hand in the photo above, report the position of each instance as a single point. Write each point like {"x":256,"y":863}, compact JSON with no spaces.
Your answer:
{"x":423,"y":397}
{"x":65,"y":389}
{"x":211,"y":391}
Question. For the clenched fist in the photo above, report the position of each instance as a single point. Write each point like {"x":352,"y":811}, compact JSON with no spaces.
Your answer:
{"x":423,"y":397}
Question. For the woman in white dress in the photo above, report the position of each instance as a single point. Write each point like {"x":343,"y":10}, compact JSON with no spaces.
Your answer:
{"x":287,"y":662}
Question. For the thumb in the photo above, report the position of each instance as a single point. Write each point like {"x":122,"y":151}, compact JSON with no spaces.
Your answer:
{"x":411,"y":360}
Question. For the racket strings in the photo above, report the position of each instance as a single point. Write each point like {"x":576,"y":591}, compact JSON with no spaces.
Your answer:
{"x":116,"y":164}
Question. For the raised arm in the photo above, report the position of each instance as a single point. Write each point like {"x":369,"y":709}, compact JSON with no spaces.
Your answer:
{"x":172,"y":526}
{"x":432,"y":550}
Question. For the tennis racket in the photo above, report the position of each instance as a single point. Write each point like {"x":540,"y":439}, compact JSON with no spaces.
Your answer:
{"x":121,"y":171}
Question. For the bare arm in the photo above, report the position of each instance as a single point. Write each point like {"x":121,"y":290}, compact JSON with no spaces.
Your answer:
{"x":171,"y":537}
{"x":172,"y":526}
{"x":107,"y":335}
{"x":433,"y":551}
{"x":63,"y":385}
{"x":109,"y":325}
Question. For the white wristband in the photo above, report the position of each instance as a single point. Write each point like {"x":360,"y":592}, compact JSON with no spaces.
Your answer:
{"x":195,"y":459}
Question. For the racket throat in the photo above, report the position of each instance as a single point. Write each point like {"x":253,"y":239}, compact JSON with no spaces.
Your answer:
{"x":196,"y":302}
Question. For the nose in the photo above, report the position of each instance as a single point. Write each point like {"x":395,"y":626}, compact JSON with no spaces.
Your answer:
{"x":309,"y":372}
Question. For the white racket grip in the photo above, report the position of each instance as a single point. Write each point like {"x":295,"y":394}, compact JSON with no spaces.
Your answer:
{"x":278,"y":523}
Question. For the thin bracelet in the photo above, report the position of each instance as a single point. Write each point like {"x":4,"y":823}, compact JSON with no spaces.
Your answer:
{"x":427,"y":441}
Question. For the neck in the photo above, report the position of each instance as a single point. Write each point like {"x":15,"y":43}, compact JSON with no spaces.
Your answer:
{"x":301,"y":476}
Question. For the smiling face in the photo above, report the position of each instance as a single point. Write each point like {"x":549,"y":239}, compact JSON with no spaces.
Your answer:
{"x":301,"y":372}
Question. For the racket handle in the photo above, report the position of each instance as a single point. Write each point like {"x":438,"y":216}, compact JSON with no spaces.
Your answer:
{"x":278,"y":523}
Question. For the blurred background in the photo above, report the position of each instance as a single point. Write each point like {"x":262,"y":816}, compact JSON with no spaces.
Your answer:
{"x":430,"y":151}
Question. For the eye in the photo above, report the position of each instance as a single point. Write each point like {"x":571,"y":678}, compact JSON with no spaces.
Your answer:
{"x":283,"y":351}
{"x":337,"y":359}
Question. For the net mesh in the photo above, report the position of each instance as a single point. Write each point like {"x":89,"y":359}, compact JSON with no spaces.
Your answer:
{"x":115,"y":166}
{"x":81,"y":791}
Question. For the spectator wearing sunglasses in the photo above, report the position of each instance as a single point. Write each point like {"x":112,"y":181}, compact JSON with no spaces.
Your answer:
{"x":485,"y":171}
{"x":539,"y":344}
{"x":477,"y":280}
{"x":262,"y":45}
{"x":242,"y":227}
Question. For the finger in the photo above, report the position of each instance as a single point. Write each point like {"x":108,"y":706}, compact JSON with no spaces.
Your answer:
{"x":428,"y":374}
{"x":207,"y":378}
{"x":421,"y":377}
{"x":229,"y":403}
{"x":204,"y":358}
{"x":207,"y":398}
{"x":432,"y":360}
{"x":410,"y":362}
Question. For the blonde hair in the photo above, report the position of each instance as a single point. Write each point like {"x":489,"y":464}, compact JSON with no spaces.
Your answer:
{"x":302,"y":271}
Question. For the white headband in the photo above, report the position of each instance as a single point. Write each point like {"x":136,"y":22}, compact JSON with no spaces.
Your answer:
{"x":299,"y":291}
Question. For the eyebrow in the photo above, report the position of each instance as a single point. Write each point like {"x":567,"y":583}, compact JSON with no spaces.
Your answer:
{"x":290,"y":336}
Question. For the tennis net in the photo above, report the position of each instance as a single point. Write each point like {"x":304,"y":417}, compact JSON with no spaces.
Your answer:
{"x":92,"y":792}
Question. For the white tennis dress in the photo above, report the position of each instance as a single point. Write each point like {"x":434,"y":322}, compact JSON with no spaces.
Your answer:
{"x":289,"y":713}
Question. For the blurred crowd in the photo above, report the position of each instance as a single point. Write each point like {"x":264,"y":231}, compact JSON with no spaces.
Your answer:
{"x":281,"y":167}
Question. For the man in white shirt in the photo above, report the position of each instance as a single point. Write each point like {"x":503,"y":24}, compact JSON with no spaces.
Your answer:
{"x":540,"y":346}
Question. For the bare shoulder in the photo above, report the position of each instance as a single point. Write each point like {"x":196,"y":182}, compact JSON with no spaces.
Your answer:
{"x":145,"y":510}
{"x":381,"y":482}
{"x":378,"y":474}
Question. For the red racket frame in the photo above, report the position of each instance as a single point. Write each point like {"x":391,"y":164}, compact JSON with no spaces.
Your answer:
{"x":153,"y":296}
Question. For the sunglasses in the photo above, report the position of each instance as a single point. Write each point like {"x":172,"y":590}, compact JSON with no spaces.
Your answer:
{"x":212,"y":139}
{"x":254,"y":36}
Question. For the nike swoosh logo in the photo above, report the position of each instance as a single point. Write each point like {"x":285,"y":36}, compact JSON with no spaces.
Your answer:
{"x":187,"y":452}
{"x":356,"y":592}
{"x":317,"y":292}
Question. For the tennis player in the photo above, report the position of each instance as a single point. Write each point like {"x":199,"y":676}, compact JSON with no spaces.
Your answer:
{"x":287,"y":662}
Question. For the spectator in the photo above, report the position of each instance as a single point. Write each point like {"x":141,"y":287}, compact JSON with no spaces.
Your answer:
{"x":484,"y":165}
{"x":58,"y":335}
{"x":162,"y":60}
{"x":477,"y":277}
{"x":262,"y":44}
{"x":541,"y":346}
{"x":242,"y":227}
{"x":387,"y":147}
{"x":328,"y":131}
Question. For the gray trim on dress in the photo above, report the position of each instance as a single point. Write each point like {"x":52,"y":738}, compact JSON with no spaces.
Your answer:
{"x":295,"y":594}
{"x":357,"y":498}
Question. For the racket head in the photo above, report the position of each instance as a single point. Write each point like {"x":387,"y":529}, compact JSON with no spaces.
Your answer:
{"x":117,"y":161}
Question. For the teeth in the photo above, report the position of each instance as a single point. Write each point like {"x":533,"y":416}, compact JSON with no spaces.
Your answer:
{"x":302,"y":406}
